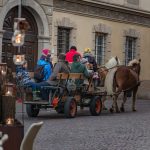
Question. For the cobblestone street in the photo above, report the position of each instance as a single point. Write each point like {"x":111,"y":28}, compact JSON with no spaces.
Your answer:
{"x":118,"y":131}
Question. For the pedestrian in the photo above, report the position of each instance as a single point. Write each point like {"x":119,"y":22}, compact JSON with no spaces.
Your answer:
{"x":71,"y":53}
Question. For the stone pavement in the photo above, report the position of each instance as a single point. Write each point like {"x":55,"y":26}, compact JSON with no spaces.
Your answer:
{"x":118,"y":131}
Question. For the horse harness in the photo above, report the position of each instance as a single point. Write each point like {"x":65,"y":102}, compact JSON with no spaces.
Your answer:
{"x":133,"y":72}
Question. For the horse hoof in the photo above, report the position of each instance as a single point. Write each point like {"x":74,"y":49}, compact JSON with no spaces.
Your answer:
{"x":117,"y":111}
{"x":122,"y":109}
{"x":134,"y":110}
{"x":111,"y":110}
{"x":105,"y":108}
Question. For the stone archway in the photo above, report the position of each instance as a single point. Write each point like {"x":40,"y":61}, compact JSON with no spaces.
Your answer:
{"x":30,"y":47}
{"x":40,"y":17}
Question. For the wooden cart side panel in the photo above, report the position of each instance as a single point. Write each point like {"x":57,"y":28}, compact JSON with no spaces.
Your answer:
{"x":76,"y":76}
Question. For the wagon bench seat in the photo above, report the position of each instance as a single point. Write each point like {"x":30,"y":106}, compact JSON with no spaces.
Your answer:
{"x":64,"y":76}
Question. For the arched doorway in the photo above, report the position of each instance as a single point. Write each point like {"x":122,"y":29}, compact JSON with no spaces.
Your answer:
{"x":30,"y":47}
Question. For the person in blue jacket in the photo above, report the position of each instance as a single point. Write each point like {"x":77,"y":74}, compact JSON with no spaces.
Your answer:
{"x":44,"y":62}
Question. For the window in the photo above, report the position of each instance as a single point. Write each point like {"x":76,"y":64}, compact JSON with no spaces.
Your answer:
{"x":133,"y":2}
{"x":100,"y":45}
{"x":130,"y":49}
{"x":63,"y":40}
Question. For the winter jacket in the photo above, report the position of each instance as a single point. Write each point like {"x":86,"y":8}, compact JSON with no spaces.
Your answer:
{"x":47,"y":68}
{"x":70,"y":54}
{"x":60,"y":67}
{"x":91,"y":60}
{"x":49,"y":59}
{"x":77,"y":67}
{"x":22,"y":75}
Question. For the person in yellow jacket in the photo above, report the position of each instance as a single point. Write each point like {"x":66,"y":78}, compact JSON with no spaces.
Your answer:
{"x":90,"y":58}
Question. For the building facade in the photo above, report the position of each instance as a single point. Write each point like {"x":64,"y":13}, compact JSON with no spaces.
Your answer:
{"x":109,"y":27}
{"x":39,"y":16}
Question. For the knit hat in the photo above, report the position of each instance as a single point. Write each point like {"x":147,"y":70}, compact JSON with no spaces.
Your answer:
{"x":45,"y":52}
{"x":87,"y":50}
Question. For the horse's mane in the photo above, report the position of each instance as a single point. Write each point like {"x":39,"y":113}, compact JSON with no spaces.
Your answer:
{"x":134,"y":61}
{"x":114,"y":61}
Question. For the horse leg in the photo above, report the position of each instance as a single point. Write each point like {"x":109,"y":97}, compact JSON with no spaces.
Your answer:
{"x":115,"y":105}
{"x":112,"y":108}
{"x":124,"y":101}
{"x":134,"y":98}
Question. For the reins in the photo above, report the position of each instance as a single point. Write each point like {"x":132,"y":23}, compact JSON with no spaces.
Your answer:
{"x":107,"y":69}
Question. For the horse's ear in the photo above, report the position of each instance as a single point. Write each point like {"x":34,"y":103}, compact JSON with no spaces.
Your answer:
{"x":116,"y":58}
{"x":139,"y":60}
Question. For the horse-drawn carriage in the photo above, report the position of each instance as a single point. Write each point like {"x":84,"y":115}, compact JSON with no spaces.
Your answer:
{"x":65,"y":99}
{"x":66,"y":96}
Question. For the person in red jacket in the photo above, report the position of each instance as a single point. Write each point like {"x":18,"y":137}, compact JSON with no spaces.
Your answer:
{"x":71,"y":53}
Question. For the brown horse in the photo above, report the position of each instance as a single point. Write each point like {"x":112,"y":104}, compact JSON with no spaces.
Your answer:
{"x":125,"y":79}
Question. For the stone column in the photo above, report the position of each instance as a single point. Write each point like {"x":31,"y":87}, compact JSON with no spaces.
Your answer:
{"x":1,"y":39}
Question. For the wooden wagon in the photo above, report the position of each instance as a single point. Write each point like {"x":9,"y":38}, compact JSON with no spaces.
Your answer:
{"x":65,"y":99}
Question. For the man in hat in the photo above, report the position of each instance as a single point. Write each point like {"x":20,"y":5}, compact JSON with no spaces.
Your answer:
{"x":60,"y":67}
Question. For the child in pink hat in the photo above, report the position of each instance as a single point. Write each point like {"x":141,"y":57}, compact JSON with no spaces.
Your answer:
{"x":45,"y":52}
{"x":43,"y":62}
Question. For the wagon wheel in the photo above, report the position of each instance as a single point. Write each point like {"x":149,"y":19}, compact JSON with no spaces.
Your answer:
{"x":59,"y":111}
{"x":32,"y":110}
{"x":96,"y":106}
{"x":60,"y":108}
{"x":70,"y":108}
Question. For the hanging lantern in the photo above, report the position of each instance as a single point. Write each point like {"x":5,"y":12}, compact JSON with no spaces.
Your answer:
{"x":9,"y":89}
{"x":18,"y":59}
{"x":9,"y":104}
{"x":9,"y":121}
{"x":20,"y":27}
{"x":3,"y":69}
{"x":18,"y":38}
